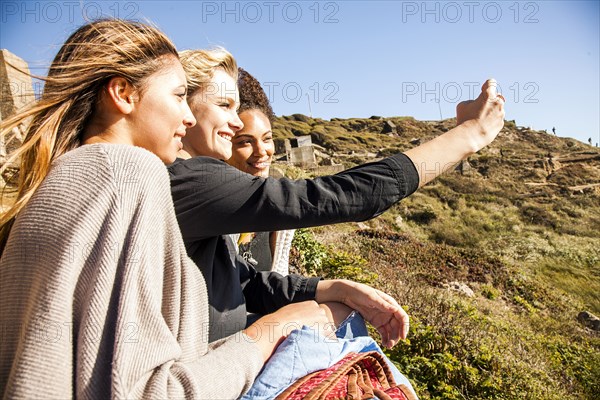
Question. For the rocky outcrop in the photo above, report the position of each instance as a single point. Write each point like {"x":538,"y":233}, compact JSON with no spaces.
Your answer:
{"x":389,"y":127}
{"x":589,"y":320}
{"x":460,"y":287}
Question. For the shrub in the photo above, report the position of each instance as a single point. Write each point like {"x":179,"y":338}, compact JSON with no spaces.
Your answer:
{"x":534,"y":214}
{"x":489,"y":292}
{"x":310,"y":253}
{"x":319,"y":260}
{"x":347,"y":266}
{"x":425,"y":215}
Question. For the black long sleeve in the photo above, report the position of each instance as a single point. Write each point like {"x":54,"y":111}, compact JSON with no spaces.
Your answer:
{"x":212,"y":198}
{"x":235,"y":287}
{"x":266,"y":292}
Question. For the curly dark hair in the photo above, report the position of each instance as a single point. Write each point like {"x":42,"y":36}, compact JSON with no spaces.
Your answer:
{"x":252,"y":95}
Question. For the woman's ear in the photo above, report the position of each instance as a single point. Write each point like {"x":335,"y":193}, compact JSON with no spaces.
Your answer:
{"x":121,"y":94}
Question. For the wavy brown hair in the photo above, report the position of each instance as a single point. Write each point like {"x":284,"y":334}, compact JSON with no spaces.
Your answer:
{"x":91,"y":56}
{"x":252,"y":95}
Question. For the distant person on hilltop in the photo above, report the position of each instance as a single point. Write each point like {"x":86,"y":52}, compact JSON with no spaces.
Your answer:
{"x":554,"y":131}
{"x":252,"y":152}
{"x":590,"y":141}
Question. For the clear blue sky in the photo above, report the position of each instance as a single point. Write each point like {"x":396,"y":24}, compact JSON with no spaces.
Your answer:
{"x":362,"y":58}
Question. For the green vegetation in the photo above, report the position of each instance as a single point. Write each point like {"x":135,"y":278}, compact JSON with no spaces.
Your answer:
{"x":314,"y":259}
{"x":520,"y":228}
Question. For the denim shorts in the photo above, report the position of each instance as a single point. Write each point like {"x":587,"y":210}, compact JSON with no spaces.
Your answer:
{"x":305,"y":351}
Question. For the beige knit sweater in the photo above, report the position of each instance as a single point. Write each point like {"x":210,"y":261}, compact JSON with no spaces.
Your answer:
{"x":98,"y":298}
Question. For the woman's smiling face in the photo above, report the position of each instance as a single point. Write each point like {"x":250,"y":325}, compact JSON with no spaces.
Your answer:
{"x":215,"y":110}
{"x":253,"y":146}
{"x":161,"y":115}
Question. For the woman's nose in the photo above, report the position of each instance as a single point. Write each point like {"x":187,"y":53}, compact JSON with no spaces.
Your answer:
{"x":259,"y":148}
{"x":188,"y":117}
{"x":236,"y":123}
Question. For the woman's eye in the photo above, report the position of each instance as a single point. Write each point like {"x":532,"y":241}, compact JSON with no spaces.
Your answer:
{"x":181,"y":95}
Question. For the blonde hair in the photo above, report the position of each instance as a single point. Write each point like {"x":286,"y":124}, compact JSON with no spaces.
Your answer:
{"x":200,"y":66}
{"x":91,"y":56}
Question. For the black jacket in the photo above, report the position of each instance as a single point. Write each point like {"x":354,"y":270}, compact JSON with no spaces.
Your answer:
{"x":213,"y":199}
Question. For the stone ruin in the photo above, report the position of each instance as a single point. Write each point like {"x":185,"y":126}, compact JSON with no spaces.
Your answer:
{"x":16,"y":91}
{"x":300,"y":152}
{"x":390,"y":128}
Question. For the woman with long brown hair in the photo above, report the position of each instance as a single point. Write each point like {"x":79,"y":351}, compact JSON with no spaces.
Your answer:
{"x":98,"y":298}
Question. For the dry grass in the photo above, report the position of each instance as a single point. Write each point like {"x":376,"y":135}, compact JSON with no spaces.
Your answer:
{"x":514,"y":230}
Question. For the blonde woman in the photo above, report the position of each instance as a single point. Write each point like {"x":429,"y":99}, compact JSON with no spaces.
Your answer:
{"x":201,"y":181}
{"x":213,"y":199}
{"x":98,"y":298}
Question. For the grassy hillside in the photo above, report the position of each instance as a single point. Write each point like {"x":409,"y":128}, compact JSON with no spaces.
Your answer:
{"x":493,"y":263}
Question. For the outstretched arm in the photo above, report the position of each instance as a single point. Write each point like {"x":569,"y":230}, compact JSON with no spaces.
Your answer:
{"x":479,"y":122}
{"x":212,"y":198}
